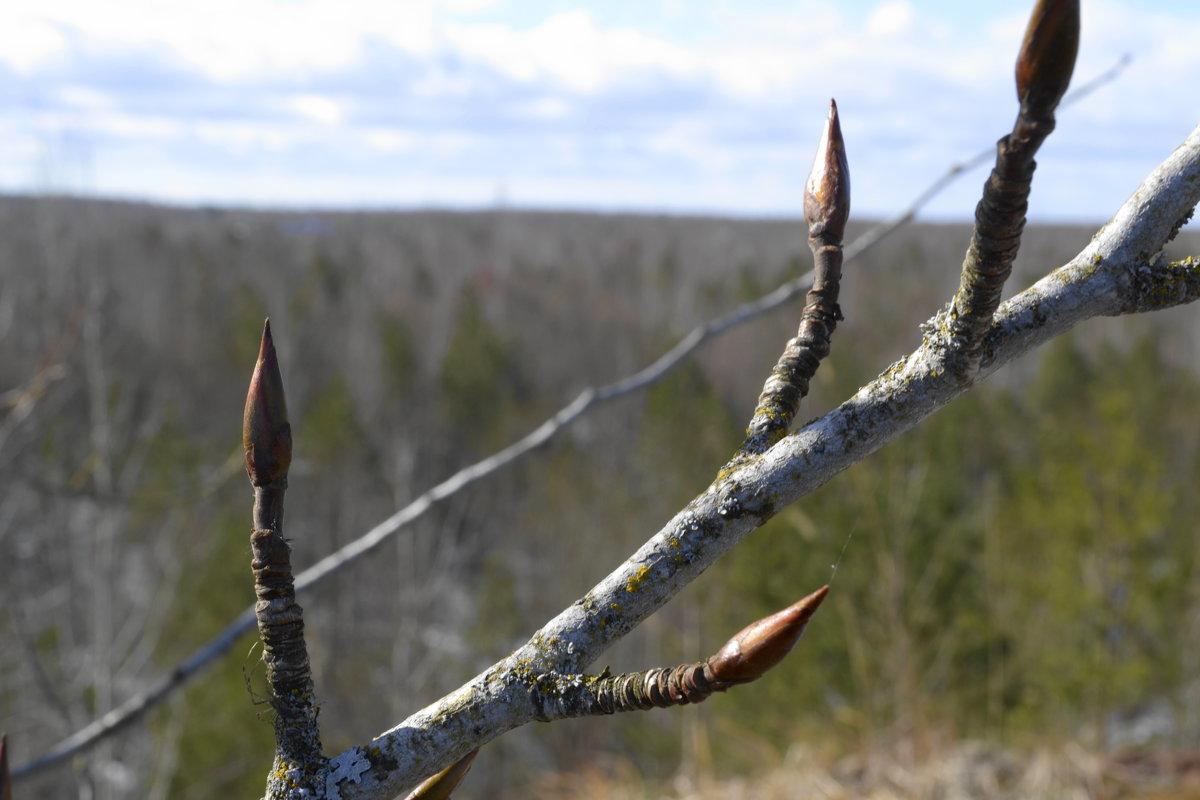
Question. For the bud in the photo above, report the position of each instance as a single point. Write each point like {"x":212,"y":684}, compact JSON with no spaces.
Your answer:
{"x":827,"y":193}
{"x":266,"y":434}
{"x":439,"y":787}
{"x":1048,"y":53}
{"x":763,"y":644}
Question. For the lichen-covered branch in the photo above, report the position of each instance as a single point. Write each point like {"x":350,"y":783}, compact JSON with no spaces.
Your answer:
{"x":1161,"y":286}
{"x":589,"y":399}
{"x":1118,"y":273}
{"x":1113,"y":275}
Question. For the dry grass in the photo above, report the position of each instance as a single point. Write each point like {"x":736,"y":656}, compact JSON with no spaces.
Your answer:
{"x":958,"y":771}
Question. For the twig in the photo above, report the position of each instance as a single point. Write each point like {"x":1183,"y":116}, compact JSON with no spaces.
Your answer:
{"x":746,"y":657}
{"x":1044,"y":70}
{"x":267,"y":440}
{"x":826,"y":209}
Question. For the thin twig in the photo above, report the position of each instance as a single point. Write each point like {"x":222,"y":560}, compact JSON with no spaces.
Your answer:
{"x":1044,"y":69}
{"x":743,"y":659}
{"x":267,"y":441}
{"x":826,"y":209}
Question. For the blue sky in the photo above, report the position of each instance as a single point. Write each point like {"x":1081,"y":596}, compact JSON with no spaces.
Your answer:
{"x":682,"y":106}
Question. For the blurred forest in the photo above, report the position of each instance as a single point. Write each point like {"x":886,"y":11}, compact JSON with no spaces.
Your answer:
{"x":1019,"y":574}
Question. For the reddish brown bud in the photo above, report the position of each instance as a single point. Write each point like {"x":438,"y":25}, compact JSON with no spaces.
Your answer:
{"x":5,"y":776}
{"x":827,"y":192}
{"x":266,"y":434}
{"x":439,"y":787}
{"x":1048,"y":53}
{"x":763,"y":644}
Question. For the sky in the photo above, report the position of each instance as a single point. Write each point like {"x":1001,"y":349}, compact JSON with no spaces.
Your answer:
{"x":659,"y":106}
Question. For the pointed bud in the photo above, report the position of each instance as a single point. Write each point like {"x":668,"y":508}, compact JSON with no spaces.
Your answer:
{"x":439,"y":787}
{"x":827,"y":193}
{"x":266,"y":434}
{"x":5,"y":776}
{"x":1048,"y":53}
{"x":763,"y":644}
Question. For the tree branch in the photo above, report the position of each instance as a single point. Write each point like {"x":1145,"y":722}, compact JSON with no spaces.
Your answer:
{"x":1112,"y":275}
{"x":135,"y":707}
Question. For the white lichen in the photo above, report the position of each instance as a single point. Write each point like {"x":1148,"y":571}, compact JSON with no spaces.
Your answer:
{"x":346,"y":768}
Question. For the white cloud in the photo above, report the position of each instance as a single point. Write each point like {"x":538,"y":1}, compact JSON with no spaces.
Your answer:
{"x":693,"y":142}
{"x":86,"y":99}
{"x":891,"y":19}
{"x":545,"y":102}
{"x":571,"y":49}
{"x":227,"y":39}
{"x":27,"y":42}
{"x":390,"y":141}
{"x":140,"y":127}
{"x":245,"y":138}
{"x":468,"y":6}
{"x":548,"y":108}
{"x":318,"y":108}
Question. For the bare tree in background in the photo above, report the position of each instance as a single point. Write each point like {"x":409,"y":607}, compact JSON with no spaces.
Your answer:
{"x":1119,"y":272}
{"x":123,"y":600}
